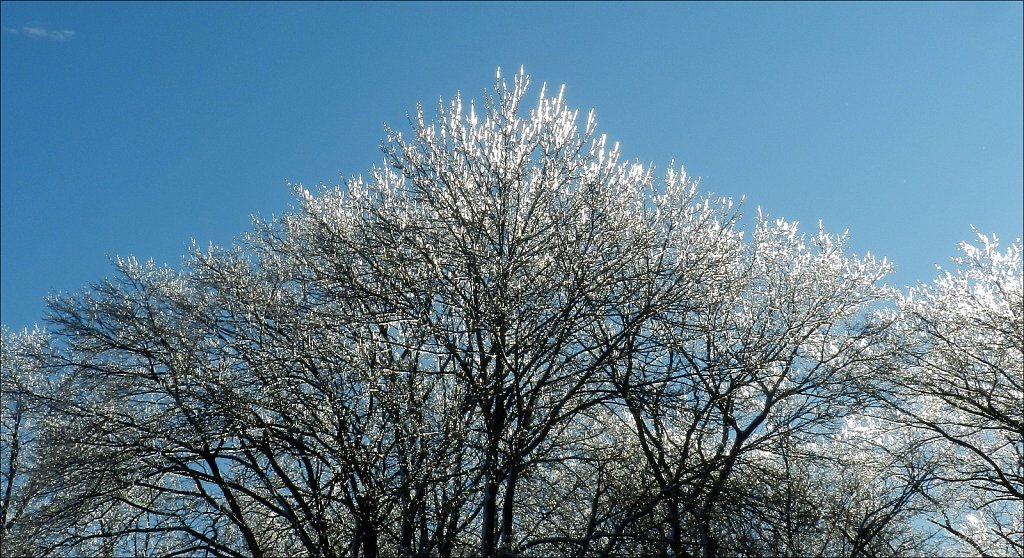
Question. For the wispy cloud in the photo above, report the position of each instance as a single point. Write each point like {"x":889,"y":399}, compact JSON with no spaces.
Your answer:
{"x":37,"y":32}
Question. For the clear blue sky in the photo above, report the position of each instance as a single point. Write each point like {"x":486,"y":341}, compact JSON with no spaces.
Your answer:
{"x":131,"y":128}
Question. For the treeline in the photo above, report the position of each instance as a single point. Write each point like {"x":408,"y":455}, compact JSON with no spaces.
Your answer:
{"x":510,"y":343}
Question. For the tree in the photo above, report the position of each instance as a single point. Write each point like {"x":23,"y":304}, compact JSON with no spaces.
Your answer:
{"x":962,"y":391}
{"x":777,"y":351}
{"x":245,"y":412}
{"x":412,"y":348}
{"x":530,"y":257}
{"x":24,"y":359}
{"x":506,"y":341}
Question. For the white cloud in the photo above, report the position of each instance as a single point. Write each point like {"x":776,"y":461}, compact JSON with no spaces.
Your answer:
{"x":37,"y":32}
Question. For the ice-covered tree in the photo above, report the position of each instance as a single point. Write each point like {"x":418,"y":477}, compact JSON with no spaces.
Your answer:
{"x":776,"y":350}
{"x":25,"y":359}
{"x":962,"y":392}
{"x":508,"y":341}
{"x":529,"y":255}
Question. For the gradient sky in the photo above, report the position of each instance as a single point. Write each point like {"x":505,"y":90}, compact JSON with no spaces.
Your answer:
{"x":133,"y":128}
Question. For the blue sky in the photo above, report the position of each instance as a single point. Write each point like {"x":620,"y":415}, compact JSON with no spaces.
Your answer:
{"x":133,"y":128}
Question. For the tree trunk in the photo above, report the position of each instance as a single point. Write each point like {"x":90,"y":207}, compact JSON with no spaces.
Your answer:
{"x":490,"y":514}
{"x":508,"y":507}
